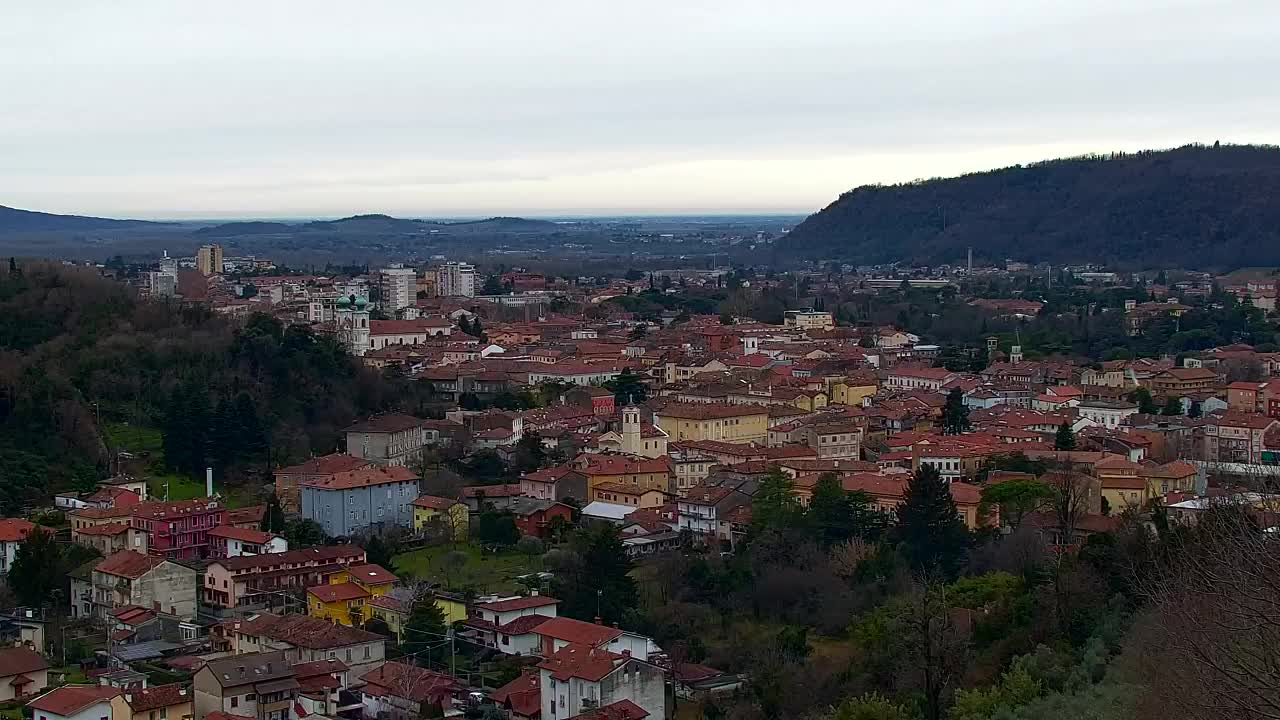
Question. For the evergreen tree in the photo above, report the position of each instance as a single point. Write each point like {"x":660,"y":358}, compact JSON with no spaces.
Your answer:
{"x":929,"y":529}
{"x":599,"y":579}
{"x":627,"y":388}
{"x":34,"y":574}
{"x":530,"y":454}
{"x":377,"y":552}
{"x":955,"y":414}
{"x":251,"y":439}
{"x":225,"y":440}
{"x":836,"y":515}
{"x":1172,"y":406}
{"x":1065,"y":439}
{"x":424,"y":631}
{"x":1146,"y":404}
{"x":1195,"y":410}
{"x":774,"y":505}
{"x":273,"y":517}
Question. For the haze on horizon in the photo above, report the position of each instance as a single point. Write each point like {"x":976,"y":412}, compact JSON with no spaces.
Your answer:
{"x":236,"y":109}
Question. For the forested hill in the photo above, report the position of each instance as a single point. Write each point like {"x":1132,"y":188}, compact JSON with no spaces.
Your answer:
{"x":15,"y":220}
{"x":1193,"y":207}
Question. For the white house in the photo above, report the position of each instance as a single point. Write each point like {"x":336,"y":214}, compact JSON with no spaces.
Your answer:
{"x":12,"y":532}
{"x":1107,"y":413}
{"x":579,"y":677}
{"x":23,"y":671}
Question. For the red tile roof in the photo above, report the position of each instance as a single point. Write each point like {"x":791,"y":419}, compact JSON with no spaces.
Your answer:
{"x":434,"y":502}
{"x":577,"y":631}
{"x":128,"y":563}
{"x":362,"y":477}
{"x":157,"y":696}
{"x":523,"y":625}
{"x":523,"y":696}
{"x":302,"y":557}
{"x":410,"y":682}
{"x":19,"y":660}
{"x":581,"y":660}
{"x":371,"y":574}
{"x":305,"y":631}
{"x":105,"y":529}
{"x":709,"y":411}
{"x":70,"y":699}
{"x":620,"y":710}
{"x":340,"y":592}
{"x":325,"y":465}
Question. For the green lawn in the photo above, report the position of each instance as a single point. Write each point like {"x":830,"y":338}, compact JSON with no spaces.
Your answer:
{"x":483,"y":572}
{"x":136,"y":439}
{"x":146,"y":445}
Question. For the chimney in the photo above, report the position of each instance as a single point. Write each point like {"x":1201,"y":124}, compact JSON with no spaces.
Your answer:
{"x":128,"y":697}
{"x":208,"y":482}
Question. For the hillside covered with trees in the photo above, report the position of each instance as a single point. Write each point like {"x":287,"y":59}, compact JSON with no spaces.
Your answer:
{"x":79,"y":353}
{"x":1191,"y":207}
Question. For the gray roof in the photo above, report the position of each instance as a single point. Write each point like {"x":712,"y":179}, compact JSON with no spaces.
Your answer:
{"x":250,"y":668}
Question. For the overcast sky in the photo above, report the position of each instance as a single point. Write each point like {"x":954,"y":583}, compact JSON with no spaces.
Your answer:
{"x":445,"y":107}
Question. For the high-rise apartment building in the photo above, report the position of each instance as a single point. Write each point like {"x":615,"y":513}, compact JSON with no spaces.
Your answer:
{"x":399,"y":287}
{"x":457,"y":279}
{"x":209,"y":259}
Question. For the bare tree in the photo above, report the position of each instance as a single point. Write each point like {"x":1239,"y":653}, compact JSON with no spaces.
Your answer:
{"x":1072,"y":498}
{"x":1214,"y":622}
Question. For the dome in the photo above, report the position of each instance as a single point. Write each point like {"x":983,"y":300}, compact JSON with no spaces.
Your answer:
{"x":344,"y":301}
{"x":361,"y":302}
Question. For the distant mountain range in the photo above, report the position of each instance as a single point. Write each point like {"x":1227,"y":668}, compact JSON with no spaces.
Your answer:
{"x":15,"y":220}
{"x":1194,"y":207}
{"x":379,"y":225}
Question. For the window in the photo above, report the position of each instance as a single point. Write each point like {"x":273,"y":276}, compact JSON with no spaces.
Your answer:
{"x":235,"y":702}
{"x":250,"y":697}
{"x":348,"y":654}
{"x":366,"y":652}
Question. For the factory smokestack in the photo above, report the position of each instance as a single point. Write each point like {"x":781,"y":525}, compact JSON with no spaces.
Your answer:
{"x":208,"y":482}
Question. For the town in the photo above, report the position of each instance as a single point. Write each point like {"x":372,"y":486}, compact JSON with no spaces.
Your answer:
{"x":566,"y":477}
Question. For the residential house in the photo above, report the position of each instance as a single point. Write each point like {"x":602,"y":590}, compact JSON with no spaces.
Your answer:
{"x":111,"y":537}
{"x":396,"y":691}
{"x":705,"y":511}
{"x":130,"y":578}
{"x":1122,"y":483}
{"x":441,"y":517}
{"x":887,"y":492}
{"x":521,"y":698}
{"x":343,"y":599}
{"x":390,"y":439}
{"x":623,"y":494}
{"x":361,"y":500}
{"x":598,"y":399}
{"x":1180,"y":382}
{"x":230,"y":541}
{"x":1236,"y":437}
{"x":255,"y":685}
{"x":580,"y":678}
{"x":76,"y":702}
{"x":12,"y":532}
{"x":638,"y":472}
{"x":559,"y":482}
{"x":1107,"y":413}
{"x":178,"y":530}
{"x":23,"y":672}
{"x":261,"y":581}
{"x":159,"y":702}
{"x":533,"y":516}
{"x":840,"y":439}
{"x":908,"y":377}
{"x":714,"y":421}
{"x":1176,"y":476}
{"x":289,"y":479}
{"x":302,"y":638}
{"x":509,"y":624}
{"x":320,"y":684}
{"x":559,"y":632}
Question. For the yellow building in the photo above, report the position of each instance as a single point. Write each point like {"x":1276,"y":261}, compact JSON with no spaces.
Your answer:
{"x":445,"y":516}
{"x":852,"y":390}
{"x":345,"y":600}
{"x":637,"y":473}
{"x":620,"y":494}
{"x":395,"y":611}
{"x":714,"y":421}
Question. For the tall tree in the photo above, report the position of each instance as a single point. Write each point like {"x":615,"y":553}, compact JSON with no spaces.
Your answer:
{"x":1065,"y":438}
{"x":273,"y":517}
{"x":932,"y":536}
{"x":425,"y":630}
{"x":774,"y":505}
{"x":1016,"y":498}
{"x":955,"y":414}
{"x":377,"y":551}
{"x":836,"y":515}
{"x":1172,"y":406}
{"x":1146,"y":404}
{"x":34,"y":574}
{"x":627,"y":388}
{"x":597,"y":577}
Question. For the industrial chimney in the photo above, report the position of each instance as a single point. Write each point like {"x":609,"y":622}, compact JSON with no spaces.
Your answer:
{"x":208,"y":482}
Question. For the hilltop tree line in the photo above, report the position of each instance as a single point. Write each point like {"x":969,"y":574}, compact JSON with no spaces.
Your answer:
{"x":1193,"y":207}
